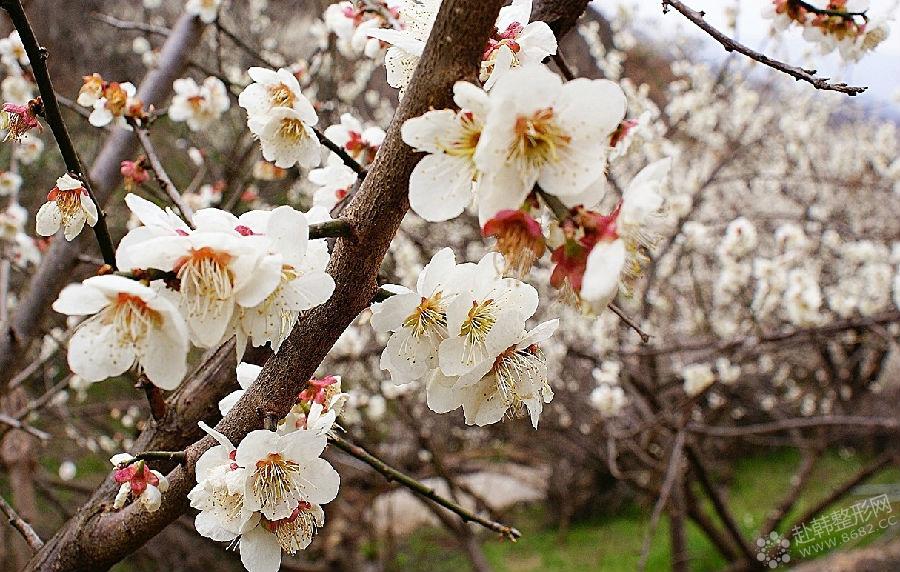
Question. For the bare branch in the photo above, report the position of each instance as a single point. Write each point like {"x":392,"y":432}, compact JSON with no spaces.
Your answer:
{"x":890,"y":425}
{"x":392,"y":474}
{"x":162,"y":177}
{"x":732,"y":45}
{"x":34,"y":541}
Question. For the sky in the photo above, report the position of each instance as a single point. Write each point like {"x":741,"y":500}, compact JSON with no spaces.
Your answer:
{"x":879,"y":70}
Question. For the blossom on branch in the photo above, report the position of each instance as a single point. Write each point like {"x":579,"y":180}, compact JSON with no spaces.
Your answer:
{"x":68,"y":206}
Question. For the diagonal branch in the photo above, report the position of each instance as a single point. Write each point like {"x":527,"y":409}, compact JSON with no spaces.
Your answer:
{"x":732,"y":45}
{"x":28,"y":533}
{"x":392,"y":474}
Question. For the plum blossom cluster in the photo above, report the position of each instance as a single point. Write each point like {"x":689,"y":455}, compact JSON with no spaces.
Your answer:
{"x":352,"y":20}
{"x":837,"y":25}
{"x":247,"y":277}
{"x":137,"y":483}
{"x":265,"y":495}
{"x":516,"y":41}
{"x":462,"y":333}
{"x":111,"y":102}
{"x":282,"y":118}
{"x":506,"y":148}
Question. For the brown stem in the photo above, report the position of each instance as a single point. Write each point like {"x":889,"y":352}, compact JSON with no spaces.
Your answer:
{"x":28,"y":533}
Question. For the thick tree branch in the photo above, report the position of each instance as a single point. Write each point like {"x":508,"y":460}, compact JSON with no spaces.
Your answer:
{"x":732,"y":45}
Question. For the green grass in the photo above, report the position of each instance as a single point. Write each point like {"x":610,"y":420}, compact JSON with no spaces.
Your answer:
{"x":612,"y":542}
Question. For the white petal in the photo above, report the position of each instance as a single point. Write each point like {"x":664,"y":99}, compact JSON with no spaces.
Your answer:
{"x":601,"y":276}
{"x":80,"y":300}
{"x":320,"y":481}
{"x":48,"y":219}
{"x":260,"y":551}
{"x":440,"y":187}
{"x":96,"y":352}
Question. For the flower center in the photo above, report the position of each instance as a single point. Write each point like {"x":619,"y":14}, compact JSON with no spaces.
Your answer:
{"x":281,"y":96}
{"x":478,"y":322}
{"x":205,"y":279}
{"x":538,"y":138}
{"x":296,"y":531}
{"x":428,"y":317}
{"x":132,"y":317}
{"x":521,"y":374}
{"x":67,"y":201}
{"x":464,"y":146}
{"x":273,"y":481}
{"x":292,"y":129}
{"x":116,"y":98}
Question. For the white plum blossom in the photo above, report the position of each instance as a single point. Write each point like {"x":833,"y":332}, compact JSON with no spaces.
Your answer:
{"x":10,"y":183}
{"x":206,"y":10}
{"x":486,"y":313}
{"x":113,"y":104}
{"x":416,"y":18}
{"x":217,"y":271}
{"x":417,"y":320}
{"x":284,"y":470}
{"x":516,"y":42}
{"x":12,"y":51}
{"x":514,"y":381}
{"x":198,"y":105}
{"x":541,"y":131}
{"x":16,"y":89}
{"x":68,"y":207}
{"x":608,"y":399}
{"x":351,"y":23}
{"x":130,"y":323}
{"x":442,"y":183}
{"x":697,"y":377}
{"x":281,"y":117}
{"x":262,"y":545}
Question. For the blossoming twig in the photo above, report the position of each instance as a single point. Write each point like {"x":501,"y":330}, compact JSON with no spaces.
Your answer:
{"x":131,"y":25}
{"x":34,"y":541}
{"x":162,"y":177}
{"x":826,"y":12}
{"x":645,"y":337}
{"x":392,"y":474}
{"x":731,"y":45}
{"x":51,"y":113}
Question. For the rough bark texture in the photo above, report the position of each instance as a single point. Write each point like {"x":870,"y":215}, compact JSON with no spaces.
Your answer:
{"x":94,"y":539}
{"x":57,"y":265}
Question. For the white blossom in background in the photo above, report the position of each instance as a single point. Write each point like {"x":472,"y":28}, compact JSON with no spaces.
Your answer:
{"x":416,"y":18}
{"x":514,"y":381}
{"x":334,"y":181}
{"x":206,"y":10}
{"x":728,"y":372}
{"x":548,"y":133}
{"x":10,"y":183}
{"x":360,"y":142}
{"x":130,"y":323}
{"x":68,"y":207}
{"x":608,"y":399}
{"x":516,"y":42}
{"x":697,"y":377}
{"x":803,"y":298}
{"x":281,"y":117}
{"x":198,"y":105}
{"x":28,"y":148}
{"x":12,"y":51}
{"x":442,"y":184}
{"x":115,"y":102}
{"x":351,"y":24}
{"x":16,"y":89}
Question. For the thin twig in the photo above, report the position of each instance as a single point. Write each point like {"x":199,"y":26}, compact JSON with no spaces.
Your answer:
{"x":162,"y":177}
{"x":22,"y":426}
{"x":628,"y":321}
{"x":51,"y":113}
{"x":131,"y":25}
{"x":392,"y":474}
{"x":732,"y":45}
{"x":827,"y":12}
{"x":34,"y":541}
{"x":672,"y":476}
{"x":243,"y":45}
{"x":342,"y":153}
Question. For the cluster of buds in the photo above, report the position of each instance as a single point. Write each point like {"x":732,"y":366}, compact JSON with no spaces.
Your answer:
{"x":841,"y":25}
{"x":317,"y":406}
{"x":111,"y":101}
{"x":137,"y":482}
{"x":134,"y":173}
{"x":17,"y":120}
